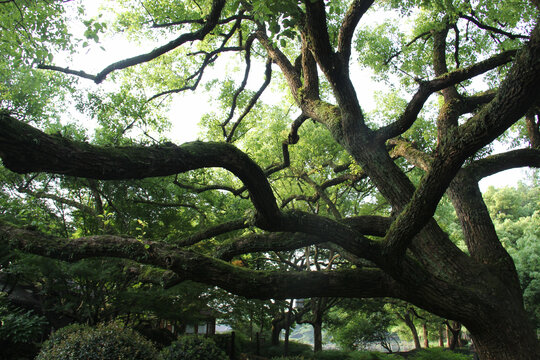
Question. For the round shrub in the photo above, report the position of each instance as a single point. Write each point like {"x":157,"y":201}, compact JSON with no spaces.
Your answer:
{"x":103,"y":342}
{"x":193,"y":348}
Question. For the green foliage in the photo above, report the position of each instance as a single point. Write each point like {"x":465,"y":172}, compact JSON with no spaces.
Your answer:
{"x":295,"y":349}
{"x":439,"y":354}
{"x":103,"y":342}
{"x":516,"y":215}
{"x":373,"y":356}
{"x":18,"y":325}
{"x":192,"y":348}
{"x":512,"y":203}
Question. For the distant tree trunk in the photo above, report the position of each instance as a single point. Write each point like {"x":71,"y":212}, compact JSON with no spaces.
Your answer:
{"x":407,"y":318}
{"x":425,"y":333}
{"x":317,"y":336}
{"x":211,"y":327}
{"x":441,"y":340}
{"x":455,"y":330}
{"x":287,"y":329}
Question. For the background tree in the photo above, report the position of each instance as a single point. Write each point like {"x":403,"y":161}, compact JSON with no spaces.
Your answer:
{"x":374,"y":179}
{"x":355,"y":325}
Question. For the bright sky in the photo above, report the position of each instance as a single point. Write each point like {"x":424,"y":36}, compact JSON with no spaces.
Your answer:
{"x":188,"y":108}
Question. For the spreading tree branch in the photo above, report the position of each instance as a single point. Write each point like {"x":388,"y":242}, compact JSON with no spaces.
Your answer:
{"x":413,"y":108}
{"x":58,"y":155}
{"x":209,"y":25}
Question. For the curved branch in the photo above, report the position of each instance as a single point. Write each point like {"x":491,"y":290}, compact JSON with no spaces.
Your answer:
{"x":491,"y":28}
{"x":237,"y":93}
{"x":427,"y":88}
{"x":505,"y":161}
{"x":61,"y":156}
{"x":209,"y":25}
{"x":277,"y":56}
{"x":197,"y":75}
{"x":254,"y":99}
{"x":306,"y":198}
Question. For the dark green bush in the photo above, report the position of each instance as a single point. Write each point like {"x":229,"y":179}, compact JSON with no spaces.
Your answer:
{"x":159,"y":337}
{"x":20,"y":330}
{"x":19,"y":325}
{"x":103,"y":342}
{"x":439,"y":354}
{"x":193,"y":348}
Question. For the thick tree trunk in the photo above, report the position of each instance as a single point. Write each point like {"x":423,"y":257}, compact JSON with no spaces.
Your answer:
{"x":512,"y":340}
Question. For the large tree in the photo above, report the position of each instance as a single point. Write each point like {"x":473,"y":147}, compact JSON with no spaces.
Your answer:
{"x":405,"y":255}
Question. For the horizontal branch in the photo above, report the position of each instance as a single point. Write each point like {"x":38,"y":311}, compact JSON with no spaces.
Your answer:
{"x":43,"y":195}
{"x":240,"y":16}
{"x":197,"y":267}
{"x":201,"y":189}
